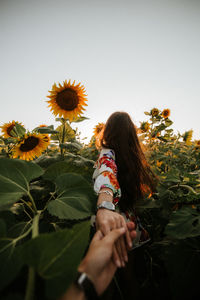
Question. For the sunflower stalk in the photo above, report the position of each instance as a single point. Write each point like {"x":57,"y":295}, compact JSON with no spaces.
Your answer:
{"x":33,"y":202}
{"x":63,"y":139}
{"x":31,"y":271}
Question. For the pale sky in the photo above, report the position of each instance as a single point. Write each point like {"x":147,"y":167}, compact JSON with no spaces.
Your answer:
{"x":130,"y":55}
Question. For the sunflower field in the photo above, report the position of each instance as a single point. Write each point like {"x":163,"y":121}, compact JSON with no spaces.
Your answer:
{"x":47,"y":199}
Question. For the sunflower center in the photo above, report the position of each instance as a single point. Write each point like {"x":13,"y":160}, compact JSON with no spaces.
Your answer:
{"x":10,"y":128}
{"x":67,"y":99}
{"x":166,"y":113}
{"x":30,"y":143}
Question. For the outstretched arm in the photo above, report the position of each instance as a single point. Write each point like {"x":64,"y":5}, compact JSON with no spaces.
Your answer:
{"x":106,"y":221}
{"x":98,"y":263}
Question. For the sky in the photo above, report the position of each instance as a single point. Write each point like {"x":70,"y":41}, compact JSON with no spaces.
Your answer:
{"x":130,"y":55}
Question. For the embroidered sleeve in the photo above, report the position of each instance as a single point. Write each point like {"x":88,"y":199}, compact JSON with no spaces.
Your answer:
{"x":105,"y":174}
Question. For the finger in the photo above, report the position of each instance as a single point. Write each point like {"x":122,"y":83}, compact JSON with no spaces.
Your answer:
{"x":124,"y":255}
{"x":115,"y":234}
{"x":127,"y":234}
{"x":98,"y":236}
{"x":132,"y":232}
{"x":119,"y":252}
{"x":130,"y":225}
{"x":120,"y":244}
{"x":113,"y":238}
{"x":116,"y":258}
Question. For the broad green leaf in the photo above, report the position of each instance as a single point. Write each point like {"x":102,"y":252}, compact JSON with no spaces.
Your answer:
{"x":53,"y":254}
{"x":18,"y":229}
{"x":10,"y":262}
{"x":2,"y":228}
{"x":184,"y":223}
{"x":79,"y":165}
{"x":45,"y":161}
{"x":15,"y":176}
{"x":75,"y":198}
{"x":58,"y":168}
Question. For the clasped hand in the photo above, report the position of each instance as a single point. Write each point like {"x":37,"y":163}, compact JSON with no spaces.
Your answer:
{"x":106,"y":221}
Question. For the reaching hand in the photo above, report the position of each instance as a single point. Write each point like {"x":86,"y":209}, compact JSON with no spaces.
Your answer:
{"x":98,"y":263}
{"x":106,"y":221}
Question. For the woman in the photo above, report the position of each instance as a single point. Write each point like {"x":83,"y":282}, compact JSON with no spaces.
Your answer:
{"x":122,"y":177}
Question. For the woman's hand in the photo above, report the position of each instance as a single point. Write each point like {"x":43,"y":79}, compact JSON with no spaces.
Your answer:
{"x":106,"y":221}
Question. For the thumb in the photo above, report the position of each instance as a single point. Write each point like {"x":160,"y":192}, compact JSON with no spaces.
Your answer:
{"x":113,"y":235}
{"x":98,"y":236}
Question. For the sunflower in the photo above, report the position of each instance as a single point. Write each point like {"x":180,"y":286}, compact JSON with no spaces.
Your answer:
{"x":30,"y":146}
{"x":7,"y":128}
{"x":98,"y":139}
{"x":165,"y":113}
{"x":145,"y":126}
{"x":154,"y":112}
{"x":98,"y":128}
{"x":42,"y":125}
{"x":187,"y":137}
{"x":67,"y":100}
{"x":197,"y":144}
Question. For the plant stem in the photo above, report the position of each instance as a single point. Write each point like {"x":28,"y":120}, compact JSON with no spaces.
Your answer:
{"x":63,"y":139}
{"x":31,"y":272}
{"x":33,"y":202}
{"x":30,"y":284}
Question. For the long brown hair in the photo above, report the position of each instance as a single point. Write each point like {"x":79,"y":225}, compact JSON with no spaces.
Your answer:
{"x":134,"y":174}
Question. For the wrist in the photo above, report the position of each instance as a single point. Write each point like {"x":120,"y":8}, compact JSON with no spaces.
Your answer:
{"x":107,"y":205}
{"x":84,"y":283}
{"x":84,"y":267}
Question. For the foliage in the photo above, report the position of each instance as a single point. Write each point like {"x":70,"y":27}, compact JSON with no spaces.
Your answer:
{"x":172,"y":214}
{"x":45,"y":207}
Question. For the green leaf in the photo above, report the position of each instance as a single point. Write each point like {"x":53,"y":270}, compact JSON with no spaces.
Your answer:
{"x":168,"y":122}
{"x":57,"y":255}
{"x":15,"y":176}
{"x":80,"y":119}
{"x":45,"y":161}
{"x":58,"y":168}
{"x":75,"y":198}
{"x":59,"y":119}
{"x":79,"y":165}
{"x":9,"y":140}
{"x":46,"y":130}
{"x":10,"y":262}
{"x":184,"y":223}
{"x":17,"y":131}
{"x":71,"y":146}
{"x":2,"y":228}
{"x":147,"y":113}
